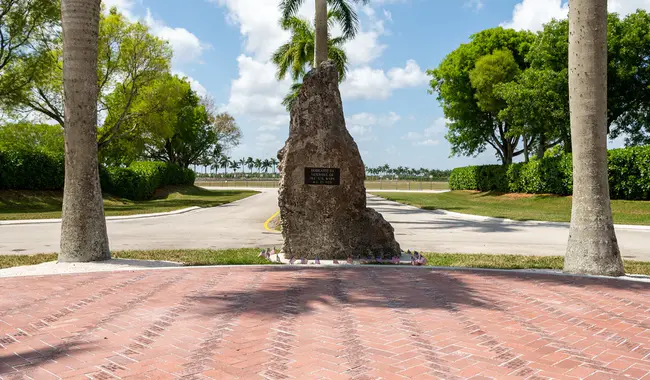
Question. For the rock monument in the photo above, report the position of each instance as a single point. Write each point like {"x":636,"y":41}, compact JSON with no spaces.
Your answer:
{"x":322,"y":194}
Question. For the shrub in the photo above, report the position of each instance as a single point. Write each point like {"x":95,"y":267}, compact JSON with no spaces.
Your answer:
{"x":42,"y":170}
{"x":31,"y":170}
{"x":141,"y":179}
{"x":629,"y":175}
{"x":482,"y":178}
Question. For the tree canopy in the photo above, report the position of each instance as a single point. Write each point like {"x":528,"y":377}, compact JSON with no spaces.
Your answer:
{"x":509,"y":89}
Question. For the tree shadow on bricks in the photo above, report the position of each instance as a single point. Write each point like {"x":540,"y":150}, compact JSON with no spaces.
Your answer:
{"x":26,"y":361}
{"x":364,"y":287}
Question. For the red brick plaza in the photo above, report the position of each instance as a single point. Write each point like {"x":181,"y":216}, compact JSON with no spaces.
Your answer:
{"x":329,"y":323}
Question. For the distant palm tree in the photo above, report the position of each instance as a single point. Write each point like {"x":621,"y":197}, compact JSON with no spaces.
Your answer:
{"x":235,"y":165}
{"x":224,"y":162}
{"x":250,"y":162}
{"x":258,"y":165}
{"x":266,"y":164}
{"x":350,"y":25}
{"x":274,"y":163}
{"x":242,"y":163}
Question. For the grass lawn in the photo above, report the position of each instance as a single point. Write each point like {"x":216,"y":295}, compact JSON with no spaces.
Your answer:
{"x":187,"y":257}
{"x":249,"y":257}
{"x":16,"y":205}
{"x":517,"y":206}
{"x":370,"y":185}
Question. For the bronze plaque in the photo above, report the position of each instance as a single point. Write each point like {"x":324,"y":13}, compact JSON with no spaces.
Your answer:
{"x":323,"y":176}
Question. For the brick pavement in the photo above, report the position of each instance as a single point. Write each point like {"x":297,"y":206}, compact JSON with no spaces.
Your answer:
{"x":329,"y":323}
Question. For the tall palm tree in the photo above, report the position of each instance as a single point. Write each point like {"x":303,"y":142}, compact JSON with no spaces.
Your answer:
{"x":242,"y":164}
{"x":297,"y":54}
{"x":83,"y":228}
{"x":266,"y":164}
{"x":224,"y":163}
{"x":350,"y":25}
{"x":235,"y":165}
{"x":250,"y":162}
{"x":274,"y":164}
{"x":258,"y":165}
{"x":592,"y":246}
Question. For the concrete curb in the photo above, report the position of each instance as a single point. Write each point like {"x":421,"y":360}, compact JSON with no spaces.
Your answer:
{"x":480,"y":218}
{"x":124,"y":217}
{"x":343,"y":266}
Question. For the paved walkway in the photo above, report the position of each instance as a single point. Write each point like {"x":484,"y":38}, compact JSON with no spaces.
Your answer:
{"x":318,"y":323}
{"x":240,"y":224}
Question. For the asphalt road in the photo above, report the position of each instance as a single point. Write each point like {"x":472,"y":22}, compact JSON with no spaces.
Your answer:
{"x":240,"y":224}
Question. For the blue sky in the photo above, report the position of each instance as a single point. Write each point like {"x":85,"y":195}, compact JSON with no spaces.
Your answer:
{"x":223,"y":47}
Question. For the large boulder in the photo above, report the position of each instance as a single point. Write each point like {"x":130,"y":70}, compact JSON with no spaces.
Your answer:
{"x":322,"y":194}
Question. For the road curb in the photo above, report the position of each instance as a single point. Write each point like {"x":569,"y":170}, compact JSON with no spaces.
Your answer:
{"x":269,"y":220}
{"x":481,"y":218}
{"x":108,"y":218}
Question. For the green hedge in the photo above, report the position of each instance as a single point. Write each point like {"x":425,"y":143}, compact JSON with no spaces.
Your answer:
{"x":31,"y":170}
{"x":38,"y":170}
{"x":483,"y":178}
{"x":629,"y":175}
{"x":141,"y":179}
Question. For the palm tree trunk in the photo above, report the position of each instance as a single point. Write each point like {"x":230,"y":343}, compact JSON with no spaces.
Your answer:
{"x":592,"y":246}
{"x":83,"y":229}
{"x":320,"y":43}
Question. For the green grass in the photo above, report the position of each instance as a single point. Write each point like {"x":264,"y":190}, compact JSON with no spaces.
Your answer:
{"x":249,"y":257}
{"x":196,"y":257}
{"x":370,"y":185}
{"x":515,"y":262}
{"x":16,"y":204}
{"x":517,"y":206}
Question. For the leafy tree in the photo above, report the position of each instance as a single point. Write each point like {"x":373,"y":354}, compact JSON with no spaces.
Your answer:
{"x":27,"y":136}
{"x":27,"y":28}
{"x":474,"y":121}
{"x":83,"y":227}
{"x":592,"y":246}
{"x":194,"y":135}
{"x":130,"y":59}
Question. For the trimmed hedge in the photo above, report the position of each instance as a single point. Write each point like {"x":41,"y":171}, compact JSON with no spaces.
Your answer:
{"x":141,"y":179}
{"x":31,"y":170}
{"x":39,"y":170}
{"x":629,"y":175}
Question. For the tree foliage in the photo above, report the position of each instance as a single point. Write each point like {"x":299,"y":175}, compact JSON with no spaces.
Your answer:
{"x":531,"y":108}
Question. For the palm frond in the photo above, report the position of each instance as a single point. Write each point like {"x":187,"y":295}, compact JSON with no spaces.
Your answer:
{"x":347,"y":17}
{"x":292,"y":96}
{"x":340,"y":59}
{"x":289,"y":7}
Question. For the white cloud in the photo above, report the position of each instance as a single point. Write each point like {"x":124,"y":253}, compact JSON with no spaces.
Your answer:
{"x":265,"y":139}
{"x":409,"y":76}
{"x":195,"y":84}
{"x":368,"y":83}
{"x":369,"y":119}
{"x":124,"y":6}
{"x":476,"y":4}
{"x":426,"y":137}
{"x":532,"y":14}
{"x":257,"y":93}
{"x":359,"y":130}
{"x":427,"y":142}
{"x":187,"y":47}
